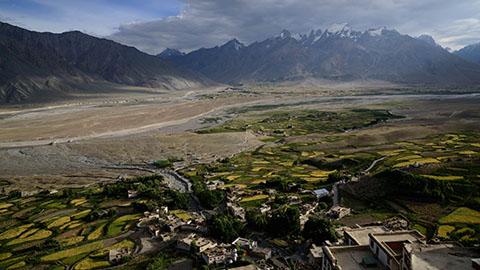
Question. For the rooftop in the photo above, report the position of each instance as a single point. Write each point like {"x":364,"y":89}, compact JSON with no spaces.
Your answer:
{"x":360,"y":235}
{"x":440,"y":257}
{"x":411,"y":235}
{"x":351,"y":257}
{"x":321,"y":192}
{"x":248,"y":267}
{"x":316,"y":251}
{"x":392,"y":242}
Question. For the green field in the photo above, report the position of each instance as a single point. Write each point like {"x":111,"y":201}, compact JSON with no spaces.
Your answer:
{"x":73,"y":251}
{"x":462,"y":215}
{"x":301,"y":122}
{"x":117,"y":226}
{"x":49,"y":228}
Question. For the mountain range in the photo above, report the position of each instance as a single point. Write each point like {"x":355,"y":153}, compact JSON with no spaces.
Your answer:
{"x":470,"y":53}
{"x":337,"y":53}
{"x":37,"y":67}
{"x":44,"y":66}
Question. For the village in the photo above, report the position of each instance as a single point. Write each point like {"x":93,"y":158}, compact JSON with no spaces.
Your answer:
{"x":284,"y":205}
{"x":388,"y":244}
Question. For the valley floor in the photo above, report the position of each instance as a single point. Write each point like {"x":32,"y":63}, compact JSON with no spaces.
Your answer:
{"x":78,"y":143}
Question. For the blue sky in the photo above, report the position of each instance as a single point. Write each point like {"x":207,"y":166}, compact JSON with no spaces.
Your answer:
{"x":153,"y":25}
{"x":97,"y":17}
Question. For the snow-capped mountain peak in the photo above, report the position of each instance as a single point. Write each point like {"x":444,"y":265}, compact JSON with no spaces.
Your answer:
{"x":285,"y":34}
{"x":237,"y":45}
{"x":338,"y":28}
{"x":374,"y":32}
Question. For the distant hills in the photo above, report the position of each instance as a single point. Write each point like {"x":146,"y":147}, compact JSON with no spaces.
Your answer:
{"x":36,"y":67}
{"x":338,"y":53}
{"x":43,"y":66}
{"x":470,"y":53}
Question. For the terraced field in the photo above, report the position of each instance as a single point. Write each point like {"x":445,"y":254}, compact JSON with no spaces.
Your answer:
{"x":447,"y":162}
{"x":69,"y":227}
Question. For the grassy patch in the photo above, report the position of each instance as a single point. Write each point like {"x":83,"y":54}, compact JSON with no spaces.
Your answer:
{"x":279,"y":243}
{"x":39,"y":235}
{"x":78,"y":201}
{"x":321,"y":174}
{"x":181,"y":215}
{"x":29,"y":232}
{"x":467,"y":152}
{"x":14,"y":232}
{"x":443,"y":178}
{"x":300,"y":122}
{"x":81,"y":214}
{"x":254,"y":198}
{"x":117,"y":226}
{"x":444,"y":230}
{"x":10,"y":262}
{"x":17,"y":265}
{"x":129,"y":244}
{"x":162,"y":163}
{"x":4,"y":256}
{"x":73,"y":251}
{"x":97,"y":233}
{"x":59,"y":222}
{"x":71,"y":241}
{"x":5,"y":205}
{"x":420,"y":228}
{"x":88,"y":263}
{"x":462,"y":215}
{"x":419,"y":161}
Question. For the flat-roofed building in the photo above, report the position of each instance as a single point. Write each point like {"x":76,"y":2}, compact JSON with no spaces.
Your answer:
{"x":315,"y":255}
{"x":398,"y":250}
{"x":383,"y":250}
{"x":360,"y":236}
{"x":419,"y":256}
{"x":349,"y":258}
{"x":388,"y":247}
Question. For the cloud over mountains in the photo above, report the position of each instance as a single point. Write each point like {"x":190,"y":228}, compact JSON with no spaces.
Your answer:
{"x":206,"y":23}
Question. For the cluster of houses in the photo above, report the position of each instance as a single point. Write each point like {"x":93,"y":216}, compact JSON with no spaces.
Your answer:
{"x":380,"y":247}
{"x":190,"y":236}
{"x":234,"y":208}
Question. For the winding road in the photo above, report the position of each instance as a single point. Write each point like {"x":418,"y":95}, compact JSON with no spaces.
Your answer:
{"x":373,"y":164}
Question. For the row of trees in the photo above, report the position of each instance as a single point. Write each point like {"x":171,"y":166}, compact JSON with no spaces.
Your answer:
{"x":209,"y":199}
{"x":286,"y":221}
{"x":407,"y":184}
{"x":225,"y":227}
{"x":150,"y":188}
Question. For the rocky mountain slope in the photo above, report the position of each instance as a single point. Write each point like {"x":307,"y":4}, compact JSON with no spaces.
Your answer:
{"x":338,"y":53}
{"x":43,"y":66}
{"x":470,"y":53}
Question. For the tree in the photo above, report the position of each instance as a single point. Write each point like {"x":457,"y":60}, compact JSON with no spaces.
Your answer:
{"x":159,"y":263}
{"x":319,"y":230}
{"x":210,"y":198}
{"x":278,"y":183}
{"x":225,"y":227}
{"x":162,"y":163}
{"x":256,"y":220}
{"x":284,"y":221}
{"x":177,"y":200}
{"x":335,"y":177}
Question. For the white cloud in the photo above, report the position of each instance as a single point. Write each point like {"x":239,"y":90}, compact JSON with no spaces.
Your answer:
{"x":206,"y":23}
{"x":460,"y":33}
{"x":96,"y":17}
